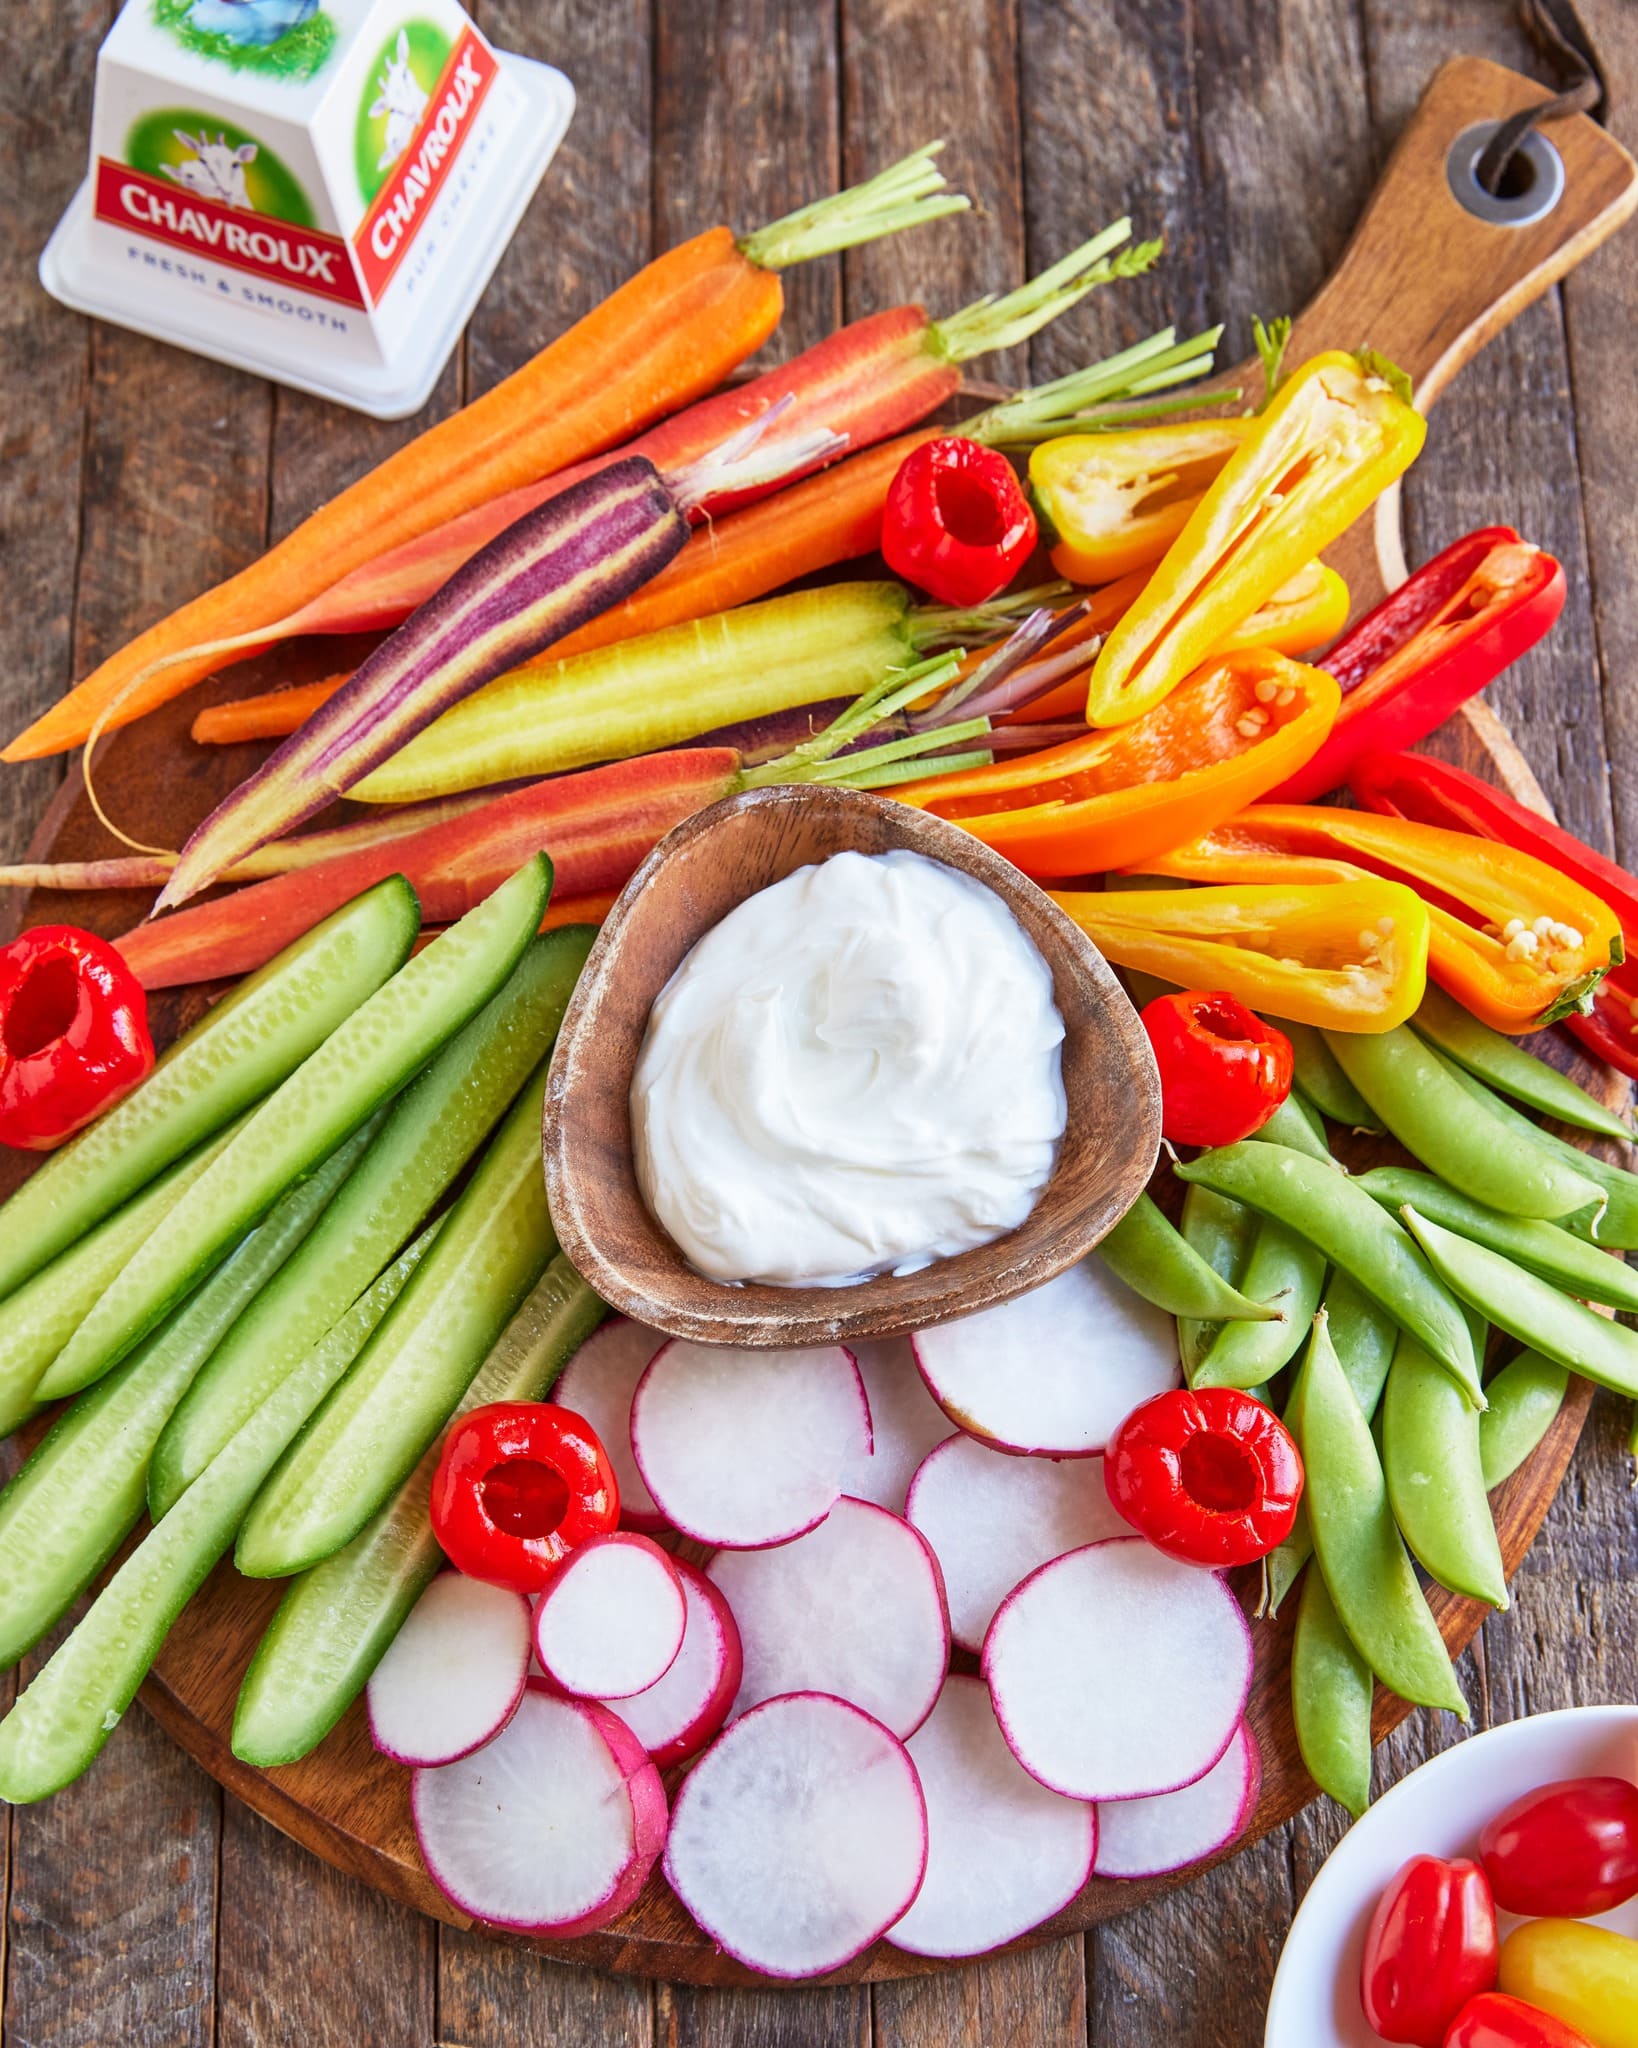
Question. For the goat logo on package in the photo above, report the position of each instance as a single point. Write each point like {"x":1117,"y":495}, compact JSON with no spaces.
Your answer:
{"x":398,"y":87}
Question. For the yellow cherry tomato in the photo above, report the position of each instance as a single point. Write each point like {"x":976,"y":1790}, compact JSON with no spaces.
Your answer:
{"x":1584,"y":1975}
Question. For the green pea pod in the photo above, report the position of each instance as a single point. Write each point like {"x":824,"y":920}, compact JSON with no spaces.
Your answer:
{"x":1331,"y":1693}
{"x":1324,"y":1083}
{"x":1363,"y":1338}
{"x":1544,"y":1249}
{"x":1355,"y":1234}
{"x":1221,"y":1232}
{"x":1157,"y":1262}
{"x":1525,"y":1398}
{"x":1293,"y":1125}
{"x":1248,"y":1355}
{"x":1530,"y":1309}
{"x":1368,"y":1571}
{"x":1430,"y":1453}
{"x":1284,"y":1566}
{"x":1427,"y":1109}
{"x":1615,"y":1223}
{"x":1506,"y":1065}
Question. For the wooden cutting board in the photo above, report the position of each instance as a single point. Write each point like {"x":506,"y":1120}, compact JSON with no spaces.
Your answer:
{"x":1423,"y":281}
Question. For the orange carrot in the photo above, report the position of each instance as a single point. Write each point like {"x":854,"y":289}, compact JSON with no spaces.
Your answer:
{"x":265,"y":717}
{"x":663,"y":339}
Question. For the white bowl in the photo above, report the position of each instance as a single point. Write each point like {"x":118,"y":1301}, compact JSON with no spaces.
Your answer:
{"x":1438,"y":1810}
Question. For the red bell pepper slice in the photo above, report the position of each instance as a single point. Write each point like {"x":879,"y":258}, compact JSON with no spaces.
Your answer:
{"x":1212,"y":1477}
{"x":1445,"y":633}
{"x":1434,"y":793}
{"x":519,"y":1485}
{"x":73,"y":1034}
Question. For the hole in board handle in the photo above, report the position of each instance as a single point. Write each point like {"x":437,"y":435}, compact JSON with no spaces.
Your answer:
{"x":1532,"y":184}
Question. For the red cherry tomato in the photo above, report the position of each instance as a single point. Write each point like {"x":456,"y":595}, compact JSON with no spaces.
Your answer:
{"x":1565,"y":1851}
{"x":1431,"y":1946}
{"x":1223,"y":1071}
{"x":956,"y":522}
{"x":1493,"y":2020}
{"x":1212,"y":1477}
{"x":73,"y":1034}
{"x":519,"y":1485}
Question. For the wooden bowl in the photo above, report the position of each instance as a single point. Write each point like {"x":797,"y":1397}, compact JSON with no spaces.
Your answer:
{"x":692,"y":879}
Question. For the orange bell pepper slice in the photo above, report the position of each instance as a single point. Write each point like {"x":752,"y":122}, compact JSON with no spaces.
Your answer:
{"x":1346,"y":956}
{"x":1115,"y":502}
{"x":1116,"y":799}
{"x":1337,"y":433}
{"x":1513,"y":940}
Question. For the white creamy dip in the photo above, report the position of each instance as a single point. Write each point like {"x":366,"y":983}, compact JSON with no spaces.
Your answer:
{"x":857,"y":1071}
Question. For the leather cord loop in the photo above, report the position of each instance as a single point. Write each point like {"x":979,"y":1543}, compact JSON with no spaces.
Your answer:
{"x":1558,"y":28}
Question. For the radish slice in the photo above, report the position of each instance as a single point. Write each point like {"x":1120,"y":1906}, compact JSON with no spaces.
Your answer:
{"x":612,"y":1618}
{"x":1055,"y":1372}
{"x":743,"y":1448}
{"x":905,"y":1423}
{"x":675,"y":1718}
{"x":855,"y":1608}
{"x":597,"y":1384}
{"x":1003,"y":1853}
{"x":552,"y":1828}
{"x":799,"y":1837}
{"x":1148,"y":1837}
{"x":993,"y":1519}
{"x":1117,"y":1672}
{"x":452,"y":1677}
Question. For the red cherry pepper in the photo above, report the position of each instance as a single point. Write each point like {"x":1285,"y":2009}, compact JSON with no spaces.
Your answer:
{"x":1223,"y":1071}
{"x":1430,"y":1947}
{"x":73,"y":1034}
{"x":1565,"y":1851}
{"x":1439,"y":638}
{"x":519,"y":1485}
{"x":1493,"y":2020}
{"x":956,"y":522}
{"x":1212,"y":1477}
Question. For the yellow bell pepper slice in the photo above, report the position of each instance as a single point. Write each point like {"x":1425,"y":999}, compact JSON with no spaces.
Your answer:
{"x":1347,"y":956}
{"x":1585,"y":1976}
{"x":1336,"y":435}
{"x":1115,"y":502}
{"x":1308,"y":612}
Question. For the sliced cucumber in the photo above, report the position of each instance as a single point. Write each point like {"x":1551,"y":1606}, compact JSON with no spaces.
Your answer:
{"x":60,"y":1723}
{"x":365,"y":1060}
{"x":38,"y":1320}
{"x":367,"y":1438}
{"x":244,"y":1047}
{"x":434,"y":1129}
{"x":338,"y":1618}
{"x":81,"y":1493}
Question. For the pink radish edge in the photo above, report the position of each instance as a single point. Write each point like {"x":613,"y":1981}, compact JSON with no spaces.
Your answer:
{"x":1242,"y":1758}
{"x":710,"y":1711}
{"x":631,"y":1558}
{"x":598,"y":1370}
{"x":396,"y":1696}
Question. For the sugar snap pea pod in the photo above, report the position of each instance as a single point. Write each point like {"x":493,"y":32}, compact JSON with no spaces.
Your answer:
{"x":1367,"y":1568}
{"x":1616,"y":1223}
{"x":338,"y":1618}
{"x":81,"y":1493}
{"x":1284,"y":1566}
{"x":1293,"y":1125}
{"x":1544,"y":1249}
{"x":1525,"y":1397}
{"x":38,"y":1320}
{"x":1283,"y":1263}
{"x":1355,"y":1234}
{"x":1530,"y":1309}
{"x":1221,"y":1232}
{"x":1412,"y":1089}
{"x":1331,"y":1692}
{"x":1430,"y":1454}
{"x":1506,"y":1066}
{"x":58,"y":1725}
{"x":1323,"y":1082}
{"x":434,"y":1128}
{"x":1157,"y":1262}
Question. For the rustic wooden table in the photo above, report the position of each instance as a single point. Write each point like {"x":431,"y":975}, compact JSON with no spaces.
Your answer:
{"x":145,"y":1909}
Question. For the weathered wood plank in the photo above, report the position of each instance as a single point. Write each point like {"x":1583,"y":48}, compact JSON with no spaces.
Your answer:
{"x":1035,"y":1998}
{"x":910,"y":74}
{"x":306,"y":1954}
{"x":745,"y":129}
{"x":492,"y":1996}
{"x":687,"y":2016}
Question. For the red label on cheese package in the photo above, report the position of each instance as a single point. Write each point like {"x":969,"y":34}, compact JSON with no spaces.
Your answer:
{"x":382,"y":239}
{"x":298,"y":257}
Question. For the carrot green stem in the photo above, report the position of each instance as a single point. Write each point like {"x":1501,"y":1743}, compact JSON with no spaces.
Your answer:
{"x":813,"y":760}
{"x":995,"y":323}
{"x":1073,"y":404}
{"x":932,"y":625}
{"x":903,"y":196}
{"x":917,"y":771}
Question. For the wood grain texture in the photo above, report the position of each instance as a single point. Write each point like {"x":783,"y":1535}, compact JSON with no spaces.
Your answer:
{"x":704,"y":869}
